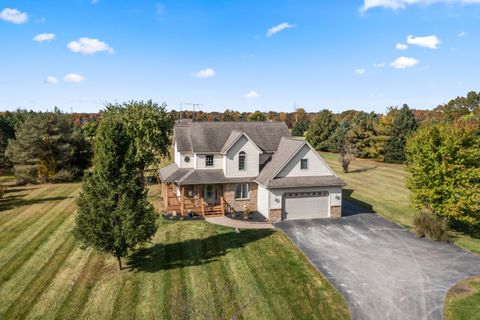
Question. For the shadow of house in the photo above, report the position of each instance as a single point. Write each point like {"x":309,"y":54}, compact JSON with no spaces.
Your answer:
{"x":352,"y":206}
{"x":192,"y":252}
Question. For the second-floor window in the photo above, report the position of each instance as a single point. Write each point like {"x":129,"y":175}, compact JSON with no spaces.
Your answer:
{"x":304,"y":164}
{"x":209,"y":160}
{"x":242,"y":166}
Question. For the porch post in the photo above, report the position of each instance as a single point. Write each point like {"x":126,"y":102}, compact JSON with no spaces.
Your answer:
{"x":182,"y":199}
{"x":222,"y":203}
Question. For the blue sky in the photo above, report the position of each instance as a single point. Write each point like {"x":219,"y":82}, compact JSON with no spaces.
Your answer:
{"x":243,"y":55}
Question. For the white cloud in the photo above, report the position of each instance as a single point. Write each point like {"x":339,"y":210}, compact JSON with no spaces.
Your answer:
{"x":431,"y":42}
{"x":402,"y":4}
{"x":51,"y":79}
{"x":205,"y":73}
{"x":89,"y":46}
{"x":404,"y":62}
{"x":278,"y":28}
{"x":73,"y":77}
{"x":401,"y":46}
{"x":251,"y":95}
{"x":13,"y":16}
{"x":462,"y":34}
{"x":360,"y":71}
{"x":44,"y":37}
{"x":379,"y":65}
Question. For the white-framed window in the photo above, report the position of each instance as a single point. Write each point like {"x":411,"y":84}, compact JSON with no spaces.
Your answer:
{"x":242,"y":191}
{"x":209,"y":160}
{"x":304,"y":164}
{"x":242,"y":161}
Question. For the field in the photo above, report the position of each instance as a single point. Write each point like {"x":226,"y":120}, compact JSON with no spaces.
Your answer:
{"x":381,"y":187}
{"x":190,"y":268}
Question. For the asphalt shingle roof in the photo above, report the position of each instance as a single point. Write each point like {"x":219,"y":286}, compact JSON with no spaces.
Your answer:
{"x":212,"y":136}
{"x":313,"y":181}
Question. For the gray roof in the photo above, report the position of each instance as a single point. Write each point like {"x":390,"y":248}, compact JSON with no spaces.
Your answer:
{"x":287,"y":148}
{"x":212,"y":136}
{"x":185,"y":176}
{"x":234,"y":135}
{"x":314,"y":181}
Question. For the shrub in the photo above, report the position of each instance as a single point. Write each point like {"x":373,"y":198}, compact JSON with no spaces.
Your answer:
{"x":428,"y":224}
{"x":62,"y":176}
{"x":26,"y":174}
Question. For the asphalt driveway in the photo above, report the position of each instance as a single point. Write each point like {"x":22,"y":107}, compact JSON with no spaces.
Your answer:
{"x":383,"y":270}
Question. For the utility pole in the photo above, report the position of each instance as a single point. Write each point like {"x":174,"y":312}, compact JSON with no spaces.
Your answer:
{"x":193,"y":105}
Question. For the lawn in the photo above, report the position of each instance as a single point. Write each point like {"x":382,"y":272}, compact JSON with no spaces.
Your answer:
{"x":381,"y":187}
{"x":190,"y":268}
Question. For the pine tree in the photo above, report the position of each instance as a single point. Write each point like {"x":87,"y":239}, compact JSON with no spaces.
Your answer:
{"x":114,"y":215}
{"x":321,"y":129}
{"x":401,"y":128}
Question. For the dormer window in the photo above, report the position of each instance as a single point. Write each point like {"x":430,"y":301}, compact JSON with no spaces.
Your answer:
{"x":304,"y":164}
{"x":209,"y":160}
{"x":242,"y":161}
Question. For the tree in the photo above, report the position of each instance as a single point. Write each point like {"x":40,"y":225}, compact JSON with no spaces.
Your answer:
{"x":363,"y":136}
{"x":401,"y":127}
{"x":299,"y":128}
{"x":460,"y":106}
{"x":321,"y":129}
{"x":149,"y":125}
{"x":114,"y":215}
{"x":444,"y":170}
{"x":257,"y":116}
{"x":43,"y":146}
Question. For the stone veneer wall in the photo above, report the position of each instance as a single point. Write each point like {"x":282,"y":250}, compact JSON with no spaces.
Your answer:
{"x":335,"y":211}
{"x":275,"y":215}
{"x":238,"y":204}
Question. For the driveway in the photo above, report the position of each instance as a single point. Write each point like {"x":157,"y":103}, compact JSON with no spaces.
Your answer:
{"x":382,"y":270}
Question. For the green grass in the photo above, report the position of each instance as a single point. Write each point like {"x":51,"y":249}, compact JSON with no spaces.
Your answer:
{"x":463,"y":301}
{"x":381,"y":187}
{"x":191,"y":269}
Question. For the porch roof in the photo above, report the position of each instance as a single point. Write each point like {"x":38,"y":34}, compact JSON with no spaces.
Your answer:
{"x":184,"y":176}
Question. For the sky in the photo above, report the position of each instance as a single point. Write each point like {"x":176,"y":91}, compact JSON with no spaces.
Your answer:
{"x":245,"y":55}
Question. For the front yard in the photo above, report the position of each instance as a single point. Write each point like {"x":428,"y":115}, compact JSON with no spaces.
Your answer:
{"x":190,"y":268}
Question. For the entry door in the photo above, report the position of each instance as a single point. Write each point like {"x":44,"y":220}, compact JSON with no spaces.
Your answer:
{"x":212,"y":193}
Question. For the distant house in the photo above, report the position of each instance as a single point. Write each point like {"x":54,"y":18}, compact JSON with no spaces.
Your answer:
{"x":222,"y":167}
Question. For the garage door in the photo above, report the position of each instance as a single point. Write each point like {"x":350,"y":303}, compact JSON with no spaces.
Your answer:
{"x":305,"y":205}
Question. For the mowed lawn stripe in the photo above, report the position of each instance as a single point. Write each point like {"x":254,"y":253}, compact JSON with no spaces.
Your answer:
{"x":34,"y":218}
{"x":27,"y":243}
{"x":41,"y":281}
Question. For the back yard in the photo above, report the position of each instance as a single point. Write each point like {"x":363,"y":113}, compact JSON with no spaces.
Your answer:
{"x":190,"y":268}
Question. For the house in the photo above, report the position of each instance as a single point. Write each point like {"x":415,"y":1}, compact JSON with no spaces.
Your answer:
{"x":225,"y":167}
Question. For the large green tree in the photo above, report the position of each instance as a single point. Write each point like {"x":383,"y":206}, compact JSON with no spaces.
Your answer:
{"x":444,"y":169}
{"x":300,"y":128}
{"x":321,"y":129}
{"x":114,"y":215}
{"x":44,"y":145}
{"x":363,"y":136}
{"x":149,"y":126}
{"x":257,"y":116}
{"x":403,"y":124}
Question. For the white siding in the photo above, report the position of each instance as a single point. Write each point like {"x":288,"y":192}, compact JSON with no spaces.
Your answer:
{"x":177,"y":156}
{"x":316,"y":167}
{"x":200,"y":161}
{"x":252,"y":159}
{"x":263,"y":201}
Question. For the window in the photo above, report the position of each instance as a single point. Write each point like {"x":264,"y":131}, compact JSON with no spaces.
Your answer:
{"x":242,"y":191}
{"x":209,"y":161}
{"x":186,"y":159}
{"x":241,"y":161}
{"x":304,"y":164}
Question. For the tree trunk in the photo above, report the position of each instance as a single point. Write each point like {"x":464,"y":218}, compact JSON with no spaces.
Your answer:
{"x":119,"y":259}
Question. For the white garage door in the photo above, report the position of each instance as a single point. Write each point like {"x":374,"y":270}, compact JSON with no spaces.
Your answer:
{"x":305,"y":205}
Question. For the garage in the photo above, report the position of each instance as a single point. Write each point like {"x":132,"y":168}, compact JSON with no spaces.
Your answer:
{"x":305,"y":205}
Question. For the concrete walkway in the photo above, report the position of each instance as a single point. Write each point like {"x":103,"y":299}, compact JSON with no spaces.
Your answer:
{"x":233,"y":223}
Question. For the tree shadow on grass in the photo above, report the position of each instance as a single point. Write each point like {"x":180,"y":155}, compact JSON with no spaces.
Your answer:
{"x":16,"y":201}
{"x":192,"y":252}
{"x":363,"y":169}
{"x":352,"y":206}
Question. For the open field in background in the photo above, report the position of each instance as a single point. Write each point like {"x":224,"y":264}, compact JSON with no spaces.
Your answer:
{"x":190,"y":267}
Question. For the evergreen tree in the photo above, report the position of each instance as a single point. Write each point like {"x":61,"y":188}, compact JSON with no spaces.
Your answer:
{"x":362,"y":136}
{"x":300,"y":128}
{"x":402,"y":126}
{"x":320,"y":132}
{"x":114,"y":215}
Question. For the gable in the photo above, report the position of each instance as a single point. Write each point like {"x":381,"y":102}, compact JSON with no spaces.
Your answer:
{"x":316,"y":165}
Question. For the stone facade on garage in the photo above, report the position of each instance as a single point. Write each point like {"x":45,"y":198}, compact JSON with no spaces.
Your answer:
{"x":239,"y":204}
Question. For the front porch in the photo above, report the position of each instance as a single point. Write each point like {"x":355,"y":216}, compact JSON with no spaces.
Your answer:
{"x":201,"y":200}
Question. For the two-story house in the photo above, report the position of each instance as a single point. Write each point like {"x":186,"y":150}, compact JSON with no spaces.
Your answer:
{"x":222,"y":167}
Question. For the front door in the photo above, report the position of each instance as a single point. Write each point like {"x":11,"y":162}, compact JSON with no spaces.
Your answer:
{"x":212,"y":193}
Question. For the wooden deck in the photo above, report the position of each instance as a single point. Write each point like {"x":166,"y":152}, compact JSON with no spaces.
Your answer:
{"x":184,"y":205}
